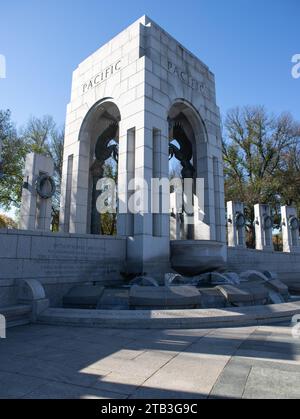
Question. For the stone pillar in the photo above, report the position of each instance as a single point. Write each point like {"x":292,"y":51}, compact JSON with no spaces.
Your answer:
{"x":290,"y":229}
{"x":35,"y":213}
{"x":205,"y":229}
{"x":76,"y":186}
{"x":175,"y":223}
{"x":263,"y":227}
{"x":236,"y":224}
{"x":148,"y":248}
{"x":126,"y":173}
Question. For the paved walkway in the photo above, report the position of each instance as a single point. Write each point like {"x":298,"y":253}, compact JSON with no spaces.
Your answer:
{"x":65,"y":362}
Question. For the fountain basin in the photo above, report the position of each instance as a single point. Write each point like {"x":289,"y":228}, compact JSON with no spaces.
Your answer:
{"x":195,"y":257}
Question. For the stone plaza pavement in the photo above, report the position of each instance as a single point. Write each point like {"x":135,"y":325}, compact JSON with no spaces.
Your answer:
{"x":40,"y":361}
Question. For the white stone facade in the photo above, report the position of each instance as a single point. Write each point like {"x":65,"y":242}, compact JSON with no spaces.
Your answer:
{"x":236,"y":224}
{"x":290,"y":229}
{"x":142,"y":78}
{"x":263,"y":227}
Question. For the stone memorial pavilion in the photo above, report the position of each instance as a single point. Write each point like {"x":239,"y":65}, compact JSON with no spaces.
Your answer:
{"x":141,"y":105}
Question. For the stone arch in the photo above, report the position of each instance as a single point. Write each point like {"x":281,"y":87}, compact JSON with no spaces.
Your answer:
{"x":99,"y":128}
{"x":84,"y":133}
{"x":193,"y":115}
{"x":189,"y":119}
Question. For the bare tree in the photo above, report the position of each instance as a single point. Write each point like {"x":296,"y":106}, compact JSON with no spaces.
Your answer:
{"x":255,"y":146}
{"x":38,"y":133}
{"x":44,"y":137}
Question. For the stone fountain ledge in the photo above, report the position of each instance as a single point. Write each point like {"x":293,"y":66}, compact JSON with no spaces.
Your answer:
{"x":172,"y":319}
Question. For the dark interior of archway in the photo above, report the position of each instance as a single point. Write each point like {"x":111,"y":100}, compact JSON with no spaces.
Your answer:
{"x":104,"y":165}
{"x":182,"y":149}
{"x":181,"y":158}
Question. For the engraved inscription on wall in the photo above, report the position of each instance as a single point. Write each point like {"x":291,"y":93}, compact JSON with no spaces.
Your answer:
{"x":188,"y":80}
{"x":102,"y":76}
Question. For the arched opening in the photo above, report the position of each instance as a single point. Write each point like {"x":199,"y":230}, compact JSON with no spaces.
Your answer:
{"x":103,"y":134}
{"x":185,"y":130}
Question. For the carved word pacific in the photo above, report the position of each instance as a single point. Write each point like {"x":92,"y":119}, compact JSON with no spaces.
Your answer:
{"x":102,"y":77}
{"x":187,"y":79}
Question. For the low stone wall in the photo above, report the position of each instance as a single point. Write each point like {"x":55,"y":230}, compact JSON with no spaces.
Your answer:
{"x":286,"y":265}
{"x":57,"y":260}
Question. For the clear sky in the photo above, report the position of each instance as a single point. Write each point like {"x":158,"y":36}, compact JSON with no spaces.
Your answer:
{"x":248,"y":44}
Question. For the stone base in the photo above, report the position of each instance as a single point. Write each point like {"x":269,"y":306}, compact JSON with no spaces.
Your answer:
{"x":212,"y":298}
{"x":18,"y":315}
{"x":164,"y":297}
{"x":294,"y":287}
{"x":114,"y":299}
{"x":235,"y":296}
{"x":260,"y":294}
{"x":83,"y":297}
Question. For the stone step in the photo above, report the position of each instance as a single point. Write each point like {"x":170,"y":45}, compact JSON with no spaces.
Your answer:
{"x":16,"y":315}
{"x":172,"y":319}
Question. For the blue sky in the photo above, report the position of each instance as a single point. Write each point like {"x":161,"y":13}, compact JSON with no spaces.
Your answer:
{"x":248,"y":44}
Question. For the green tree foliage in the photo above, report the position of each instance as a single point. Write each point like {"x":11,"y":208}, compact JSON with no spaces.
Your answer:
{"x":40,"y":135}
{"x":13,"y":153}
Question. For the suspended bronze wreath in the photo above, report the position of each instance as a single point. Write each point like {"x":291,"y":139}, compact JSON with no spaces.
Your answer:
{"x":39,"y":184}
